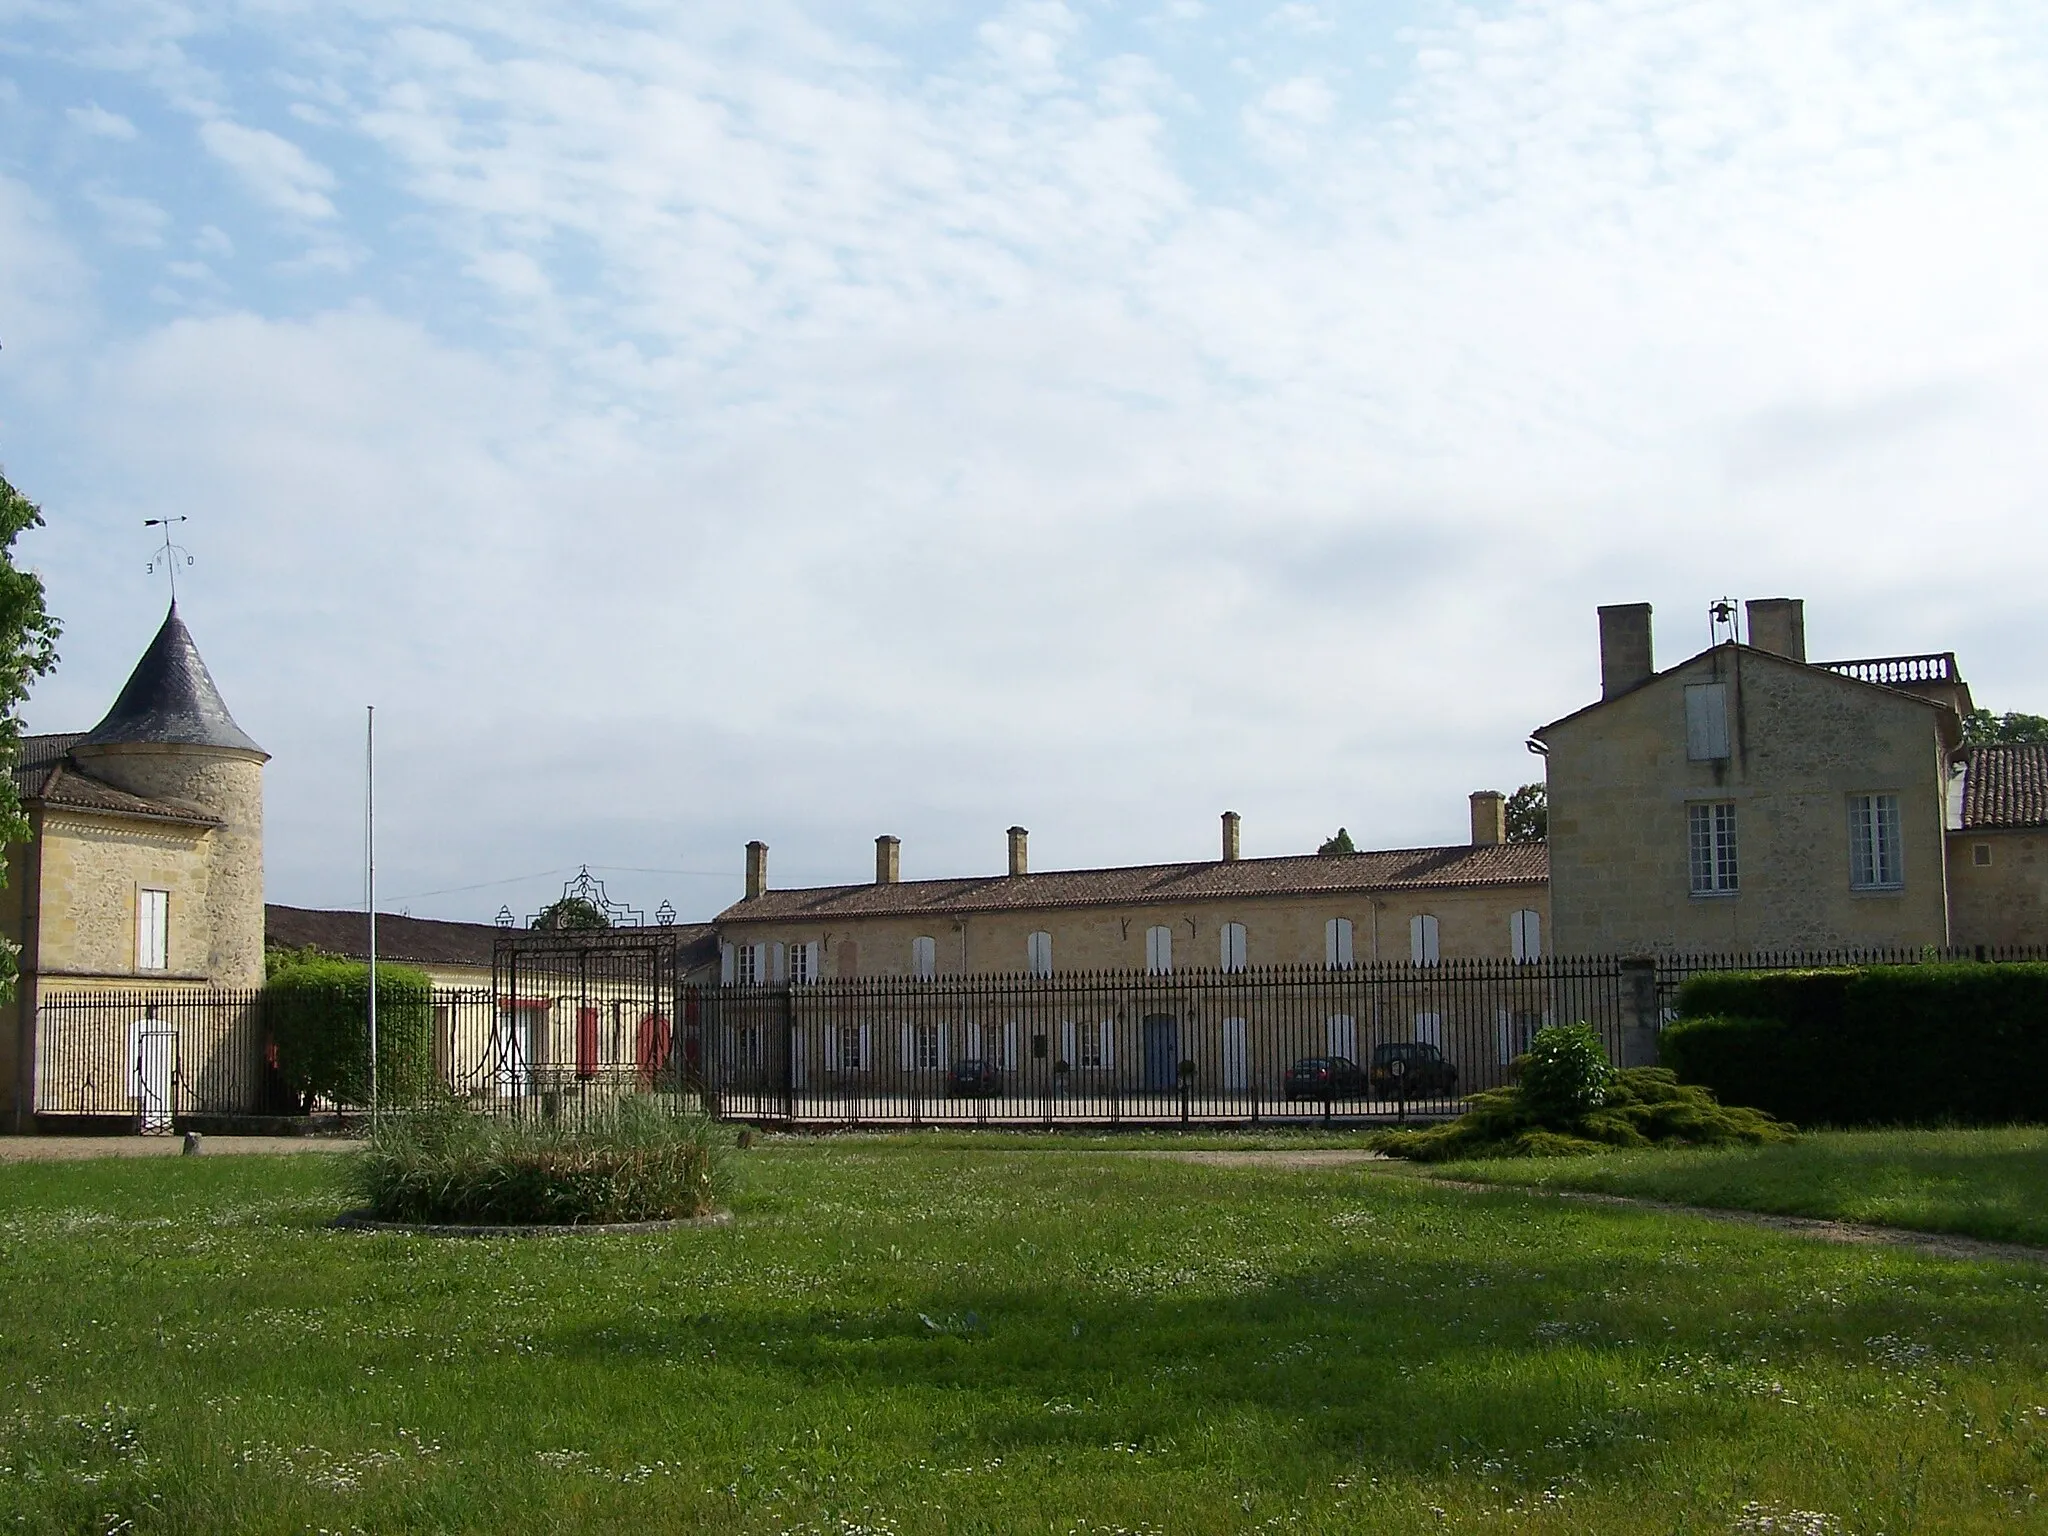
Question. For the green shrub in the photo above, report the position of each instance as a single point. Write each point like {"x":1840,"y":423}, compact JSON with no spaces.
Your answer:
{"x":1883,"y":1045}
{"x":1565,"y":1074}
{"x":639,"y":1162}
{"x":1642,"y":1107}
{"x":318,"y":1011}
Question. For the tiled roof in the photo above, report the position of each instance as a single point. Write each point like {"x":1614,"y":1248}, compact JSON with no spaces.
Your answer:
{"x":2005,"y":786}
{"x":1145,"y":884}
{"x":170,"y":698}
{"x":420,"y":940}
{"x":44,"y":774}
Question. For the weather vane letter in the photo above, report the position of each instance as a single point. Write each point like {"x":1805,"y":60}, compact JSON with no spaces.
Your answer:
{"x":167,"y":554}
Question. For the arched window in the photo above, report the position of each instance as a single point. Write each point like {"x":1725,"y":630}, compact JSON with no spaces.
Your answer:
{"x":1038,"y":954}
{"x":1337,"y":943}
{"x":1159,"y":950}
{"x":1233,"y":946}
{"x":1525,"y":930}
{"x":1423,"y":948}
{"x":924,"y":956}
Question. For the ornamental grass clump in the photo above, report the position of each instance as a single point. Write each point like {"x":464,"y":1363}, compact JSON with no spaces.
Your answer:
{"x":1570,"y":1100}
{"x":446,"y":1165}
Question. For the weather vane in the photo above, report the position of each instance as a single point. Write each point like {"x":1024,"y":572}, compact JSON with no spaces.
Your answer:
{"x":167,"y":555}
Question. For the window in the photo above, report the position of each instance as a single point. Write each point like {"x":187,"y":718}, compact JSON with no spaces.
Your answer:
{"x":1342,"y":1033}
{"x":803,"y":963}
{"x":1233,"y":946}
{"x":1429,"y":1029}
{"x":1525,"y":934}
{"x":1159,"y":950}
{"x":744,"y":1049}
{"x":747,"y":964}
{"x":1337,"y":943}
{"x":846,"y":1048}
{"x":924,"y":1047}
{"x":1706,"y":722}
{"x":1874,"y":842}
{"x":1980,"y":855}
{"x":1712,"y":833}
{"x":152,"y":930}
{"x":1090,"y":1047}
{"x":1423,"y":948}
{"x":924,"y":956}
{"x":1038,"y":954}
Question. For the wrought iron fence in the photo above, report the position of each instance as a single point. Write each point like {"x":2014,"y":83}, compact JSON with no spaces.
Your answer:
{"x":1672,"y":970}
{"x":1117,"y":1047}
{"x":573,"y":1022}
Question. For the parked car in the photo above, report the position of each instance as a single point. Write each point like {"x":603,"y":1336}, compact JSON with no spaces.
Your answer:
{"x":1412,"y":1069}
{"x":975,"y":1080}
{"x":1325,"y":1077}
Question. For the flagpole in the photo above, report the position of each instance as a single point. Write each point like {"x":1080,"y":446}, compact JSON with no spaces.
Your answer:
{"x":370,"y":884}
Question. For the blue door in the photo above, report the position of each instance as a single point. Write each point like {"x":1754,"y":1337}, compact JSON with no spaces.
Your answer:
{"x":1162,"y":1051}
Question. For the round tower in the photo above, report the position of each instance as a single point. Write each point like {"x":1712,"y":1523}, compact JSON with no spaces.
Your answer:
{"x":170,"y":737}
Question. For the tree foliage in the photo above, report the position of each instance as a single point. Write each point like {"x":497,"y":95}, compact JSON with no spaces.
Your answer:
{"x":28,"y":650}
{"x":1981,"y":728}
{"x":573,"y":914}
{"x":1529,"y":814}
{"x":1341,"y":843}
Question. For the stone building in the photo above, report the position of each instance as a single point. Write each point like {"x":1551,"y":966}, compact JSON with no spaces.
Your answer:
{"x":1749,"y":799}
{"x":1485,"y":899}
{"x":143,"y":868}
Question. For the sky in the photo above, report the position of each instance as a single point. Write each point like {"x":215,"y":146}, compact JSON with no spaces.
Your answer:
{"x":688,"y":424}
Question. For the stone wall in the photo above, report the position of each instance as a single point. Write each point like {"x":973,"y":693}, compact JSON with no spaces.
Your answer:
{"x":2004,"y":902}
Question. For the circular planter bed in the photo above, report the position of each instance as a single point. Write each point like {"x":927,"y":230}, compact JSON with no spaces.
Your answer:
{"x":360,"y":1221}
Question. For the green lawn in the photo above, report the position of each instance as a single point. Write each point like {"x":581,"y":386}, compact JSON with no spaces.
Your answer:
{"x":897,"y":1339}
{"x":1991,"y":1183}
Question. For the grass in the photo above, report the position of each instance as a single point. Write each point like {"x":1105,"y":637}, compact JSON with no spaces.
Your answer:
{"x":909,"y":1340}
{"x":1980,"y":1183}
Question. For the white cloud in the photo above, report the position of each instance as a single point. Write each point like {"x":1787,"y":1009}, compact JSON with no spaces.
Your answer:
{"x":99,"y":123}
{"x":128,"y":220}
{"x":274,"y":169}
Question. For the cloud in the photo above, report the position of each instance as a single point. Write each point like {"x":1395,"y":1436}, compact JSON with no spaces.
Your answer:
{"x":128,"y":220}
{"x":273,"y":169}
{"x":97,"y":122}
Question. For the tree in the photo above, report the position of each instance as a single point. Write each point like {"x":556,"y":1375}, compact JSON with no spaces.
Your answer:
{"x":1981,"y":728}
{"x":573,"y":914}
{"x":28,"y":650}
{"x":1529,"y":814}
{"x":1341,"y":843}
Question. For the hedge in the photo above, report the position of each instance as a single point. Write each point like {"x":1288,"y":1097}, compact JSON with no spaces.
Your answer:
{"x":1880,"y":1045}
{"x":319,"y":1017}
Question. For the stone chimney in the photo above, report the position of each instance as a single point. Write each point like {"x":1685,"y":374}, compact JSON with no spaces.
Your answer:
{"x":757,"y":869}
{"x":1624,"y":648}
{"x":1489,"y":817}
{"x":1232,"y":822}
{"x":1020,"y":863}
{"x":1778,"y":625}
{"x":888,"y":859}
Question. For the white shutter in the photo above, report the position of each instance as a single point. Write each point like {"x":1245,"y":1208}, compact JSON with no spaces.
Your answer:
{"x":1343,"y":1035}
{"x":811,"y":960}
{"x":973,"y":1044}
{"x":1706,"y":722}
{"x":726,"y":964}
{"x":832,"y":1048}
{"x":1526,"y":930}
{"x":1038,"y":954}
{"x":924,"y":956}
{"x":1337,"y":943}
{"x":152,"y":930}
{"x":945,"y":1046}
{"x":1429,"y":1029}
{"x":1234,"y":1074}
{"x":1067,"y":1044}
{"x":1159,"y":950}
{"x":1010,"y":1046}
{"x":862,"y":1064}
{"x":908,"y":1035}
{"x":1422,"y":940}
{"x":781,"y":971}
{"x":1108,"y":1044}
{"x":1233,"y":946}
{"x":796,"y":1058}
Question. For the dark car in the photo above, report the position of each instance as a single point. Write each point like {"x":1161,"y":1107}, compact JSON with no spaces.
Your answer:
{"x":1412,"y":1069}
{"x":1325,"y":1077}
{"x":975,"y":1080}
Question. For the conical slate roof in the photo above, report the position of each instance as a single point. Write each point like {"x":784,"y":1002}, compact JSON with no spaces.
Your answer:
{"x":170,"y":698}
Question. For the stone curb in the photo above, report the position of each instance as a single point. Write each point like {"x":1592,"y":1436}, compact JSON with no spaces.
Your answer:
{"x":356,"y":1221}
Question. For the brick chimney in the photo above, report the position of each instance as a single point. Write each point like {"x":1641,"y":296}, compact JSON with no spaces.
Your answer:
{"x":1624,"y":648}
{"x":1778,"y":625}
{"x":1020,"y":863}
{"x":1232,"y":823}
{"x":757,"y":869}
{"x":888,"y":859}
{"x":1489,"y":817}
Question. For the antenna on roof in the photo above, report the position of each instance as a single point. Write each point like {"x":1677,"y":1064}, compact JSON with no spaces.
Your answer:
{"x":167,"y":555}
{"x":1724,"y":621}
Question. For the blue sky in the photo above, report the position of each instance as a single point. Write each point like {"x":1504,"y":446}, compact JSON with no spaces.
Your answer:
{"x":805,"y":422}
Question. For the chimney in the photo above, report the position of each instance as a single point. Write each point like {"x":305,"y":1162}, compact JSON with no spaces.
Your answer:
{"x":757,"y":869}
{"x":1778,"y":625}
{"x":1624,"y":648}
{"x":888,"y":859}
{"x":1489,"y":817}
{"x":1231,"y":823}
{"x":1020,"y":864}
